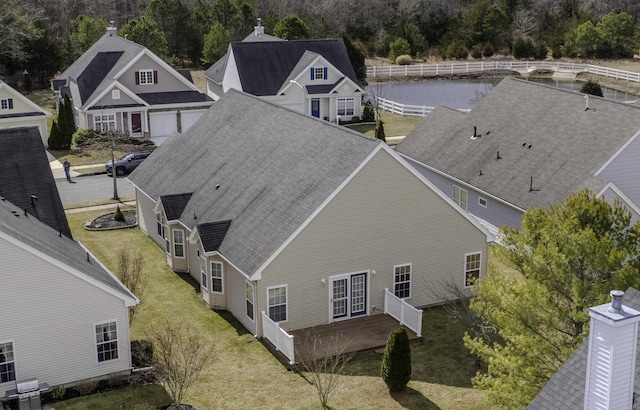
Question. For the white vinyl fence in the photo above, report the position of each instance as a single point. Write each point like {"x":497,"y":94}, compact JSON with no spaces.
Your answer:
{"x":403,"y":312}
{"x":278,"y":337}
{"x":408,"y":110}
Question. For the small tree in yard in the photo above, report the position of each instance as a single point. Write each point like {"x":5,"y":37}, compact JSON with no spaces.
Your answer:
{"x":130,"y":264}
{"x":179,"y":356}
{"x":396,"y":361}
{"x":118,"y":215}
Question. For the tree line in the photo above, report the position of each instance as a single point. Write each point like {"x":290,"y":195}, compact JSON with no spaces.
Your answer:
{"x":38,"y":39}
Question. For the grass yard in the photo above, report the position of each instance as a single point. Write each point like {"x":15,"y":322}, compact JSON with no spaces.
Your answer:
{"x":244,"y":374}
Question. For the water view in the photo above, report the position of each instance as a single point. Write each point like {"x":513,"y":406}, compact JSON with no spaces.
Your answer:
{"x":463,"y":94}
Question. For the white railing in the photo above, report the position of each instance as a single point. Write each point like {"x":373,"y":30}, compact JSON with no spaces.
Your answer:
{"x":403,"y":312}
{"x":409,"y":110}
{"x":278,"y":337}
{"x":441,"y":69}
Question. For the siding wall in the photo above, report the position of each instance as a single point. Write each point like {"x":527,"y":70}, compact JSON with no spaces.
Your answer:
{"x":40,"y":121}
{"x":624,"y":170}
{"x":231,"y":77}
{"x":107,"y":100}
{"x":167,"y":80}
{"x":235,"y":297}
{"x":385,"y":216}
{"x":19,"y":106}
{"x":50,"y":317}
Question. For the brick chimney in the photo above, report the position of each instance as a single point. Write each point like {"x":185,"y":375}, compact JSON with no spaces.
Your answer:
{"x":258,"y":30}
{"x":111,"y":30}
{"x":611,"y":361}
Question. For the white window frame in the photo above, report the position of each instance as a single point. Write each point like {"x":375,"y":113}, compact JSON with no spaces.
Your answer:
{"x":346,"y":106}
{"x":219,"y":278}
{"x":160,"y":225}
{"x":104,"y":122}
{"x":250,"y":290}
{"x":146,"y":77}
{"x":115,"y":94}
{"x":12,"y":361}
{"x":318,"y":73}
{"x":460,"y":197}
{"x":468,"y":270}
{"x":285,"y":303}
{"x":98,"y":342}
{"x":4,"y":103}
{"x":482,"y":202}
{"x":178,"y":243}
{"x":203,"y":274}
{"x":396,"y":282}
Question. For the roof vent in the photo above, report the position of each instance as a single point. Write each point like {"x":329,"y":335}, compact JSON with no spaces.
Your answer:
{"x":259,"y":29}
{"x":111,"y":30}
{"x":616,"y":301}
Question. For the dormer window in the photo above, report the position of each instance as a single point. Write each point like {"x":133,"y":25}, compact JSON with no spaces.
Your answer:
{"x":145,"y":77}
{"x":319,"y":73}
{"x":6,"y":104}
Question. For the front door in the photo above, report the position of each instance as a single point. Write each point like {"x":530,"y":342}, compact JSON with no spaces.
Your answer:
{"x":315,"y":107}
{"x":348,"y":294}
{"x":136,"y":123}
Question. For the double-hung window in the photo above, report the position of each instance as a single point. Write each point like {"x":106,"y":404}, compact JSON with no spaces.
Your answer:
{"x":460,"y":197}
{"x":6,"y":103}
{"x":146,"y":77}
{"x":107,"y":341}
{"x":7,"y":363}
{"x":346,"y":106}
{"x":216,"y":277}
{"x":203,"y":274}
{"x":160,"y":225}
{"x":319,"y":73}
{"x":402,"y":281}
{"x":277,"y":303}
{"x":178,"y":243}
{"x":472,"y":268}
{"x":104,"y":122}
{"x":249,"y":291}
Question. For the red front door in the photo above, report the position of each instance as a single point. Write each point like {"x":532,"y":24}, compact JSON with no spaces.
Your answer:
{"x":136,"y":123}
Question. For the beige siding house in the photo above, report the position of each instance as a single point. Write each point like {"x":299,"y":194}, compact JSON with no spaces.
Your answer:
{"x":65,"y":316}
{"x":277,"y":212}
{"x":16,"y":110}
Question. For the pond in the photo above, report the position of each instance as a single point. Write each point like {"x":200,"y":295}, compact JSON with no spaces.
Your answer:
{"x":464,"y":93}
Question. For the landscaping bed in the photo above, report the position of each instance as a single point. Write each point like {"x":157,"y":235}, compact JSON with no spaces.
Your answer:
{"x":106,"y":221}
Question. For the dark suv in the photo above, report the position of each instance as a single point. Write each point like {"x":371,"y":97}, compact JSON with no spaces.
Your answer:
{"x":127,"y":163}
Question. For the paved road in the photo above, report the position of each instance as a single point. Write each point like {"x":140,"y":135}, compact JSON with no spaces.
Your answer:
{"x":92,"y":188}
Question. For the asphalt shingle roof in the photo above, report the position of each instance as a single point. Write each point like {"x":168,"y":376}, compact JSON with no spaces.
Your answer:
{"x":565,"y":390}
{"x":26,"y":171}
{"x":540,"y":133}
{"x":174,"y":205}
{"x":263,"y":167}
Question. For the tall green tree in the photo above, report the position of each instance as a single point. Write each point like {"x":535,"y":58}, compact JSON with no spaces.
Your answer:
{"x":396,"y":360}
{"x":173,"y":19}
{"x":146,"y":33}
{"x":566,"y":259}
{"x":291,"y":27}
{"x":85,"y":31}
{"x":618,"y":33}
{"x":216,"y":43}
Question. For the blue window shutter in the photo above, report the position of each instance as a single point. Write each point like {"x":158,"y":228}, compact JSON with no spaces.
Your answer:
{"x":325,"y":73}
{"x":312,"y":72}
{"x":10,"y":103}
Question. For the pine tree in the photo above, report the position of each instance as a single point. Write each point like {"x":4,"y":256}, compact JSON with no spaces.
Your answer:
{"x":54,"y":137}
{"x":396,"y":361}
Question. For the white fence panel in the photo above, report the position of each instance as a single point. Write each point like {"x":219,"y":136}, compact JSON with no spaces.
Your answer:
{"x":403,"y":312}
{"x":282,"y":340}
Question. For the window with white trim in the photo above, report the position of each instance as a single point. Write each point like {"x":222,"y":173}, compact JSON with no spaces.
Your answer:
{"x":277,"y":303}
{"x":402,"y":281}
{"x":472,"y":268}
{"x":482,"y":202}
{"x":346,"y":106}
{"x":178,"y":243}
{"x":249,"y":296}
{"x":146,"y":76}
{"x":107,"y":341}
{"x":104,"y":122}
{"x":460,"y":197}
{"x":318,"y":73}
{"x":6,"y":103}
{"x":216,"y":277}
{"x":160,"y":225}
{"x":203,"y":274}
{"x":7,"y":363}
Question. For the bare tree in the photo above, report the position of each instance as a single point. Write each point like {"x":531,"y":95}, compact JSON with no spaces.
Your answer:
{"x":130,"y":264}
{"x":326,"y":362}
{"x":179,"y":356}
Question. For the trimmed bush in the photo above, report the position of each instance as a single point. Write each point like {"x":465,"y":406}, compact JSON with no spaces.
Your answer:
{"x":396,"y":362}
{"x":404,"y":59}
{"x":118,"y":215}
{"x":592,"y":87}
{"x":398,"y":47}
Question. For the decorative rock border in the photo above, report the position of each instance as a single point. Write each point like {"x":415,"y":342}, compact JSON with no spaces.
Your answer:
{"x":105,"y":222}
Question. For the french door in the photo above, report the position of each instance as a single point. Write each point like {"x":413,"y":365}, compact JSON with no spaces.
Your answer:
{"x":348,"y":295}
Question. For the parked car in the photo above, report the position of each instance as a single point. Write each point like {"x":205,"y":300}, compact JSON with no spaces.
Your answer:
{"x":127,"y":163}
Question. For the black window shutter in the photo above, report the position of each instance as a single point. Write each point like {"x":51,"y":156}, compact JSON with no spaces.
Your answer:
{"x":137,"y":77}
{"x":155,"y":76}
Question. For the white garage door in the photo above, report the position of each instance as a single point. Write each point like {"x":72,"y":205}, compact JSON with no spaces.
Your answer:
{"x":189,"y":118}
{"x":163,"y":124}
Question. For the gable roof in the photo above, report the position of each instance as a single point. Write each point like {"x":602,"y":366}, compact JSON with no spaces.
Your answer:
{"x":262,"y":167}
{"x":264,"y":66}
{"x":174,"y":205}
{"x":565,"y":390}
{"x":544,"y":137}
{"x":212,"y":234}
{"x":25,"y":172}
{"x":36,"y":110}
{"x":37,"y":238}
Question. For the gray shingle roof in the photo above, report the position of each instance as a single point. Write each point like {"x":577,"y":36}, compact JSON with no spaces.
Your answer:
{"x":264,"y":67}
{"x":538,"y":131}
{"x":212,"y":234}
{"x":25,"y":171}
{"x":565,"y":390}
{"x":274,"y":168}
{"x":35,"y":234}
{"x":174,"y":205}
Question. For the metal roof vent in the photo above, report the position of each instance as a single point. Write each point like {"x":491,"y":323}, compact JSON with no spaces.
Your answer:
{"x":616,"y":301}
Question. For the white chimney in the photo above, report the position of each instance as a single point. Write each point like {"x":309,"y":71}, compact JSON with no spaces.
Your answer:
{"x":111,"y":30}
{"x":258,"y":30}
{"x":611,"y":361}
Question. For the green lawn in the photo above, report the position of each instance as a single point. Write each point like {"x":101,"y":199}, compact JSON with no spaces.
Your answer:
{"x":244,"y":374}
{"x":394,"y":125}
